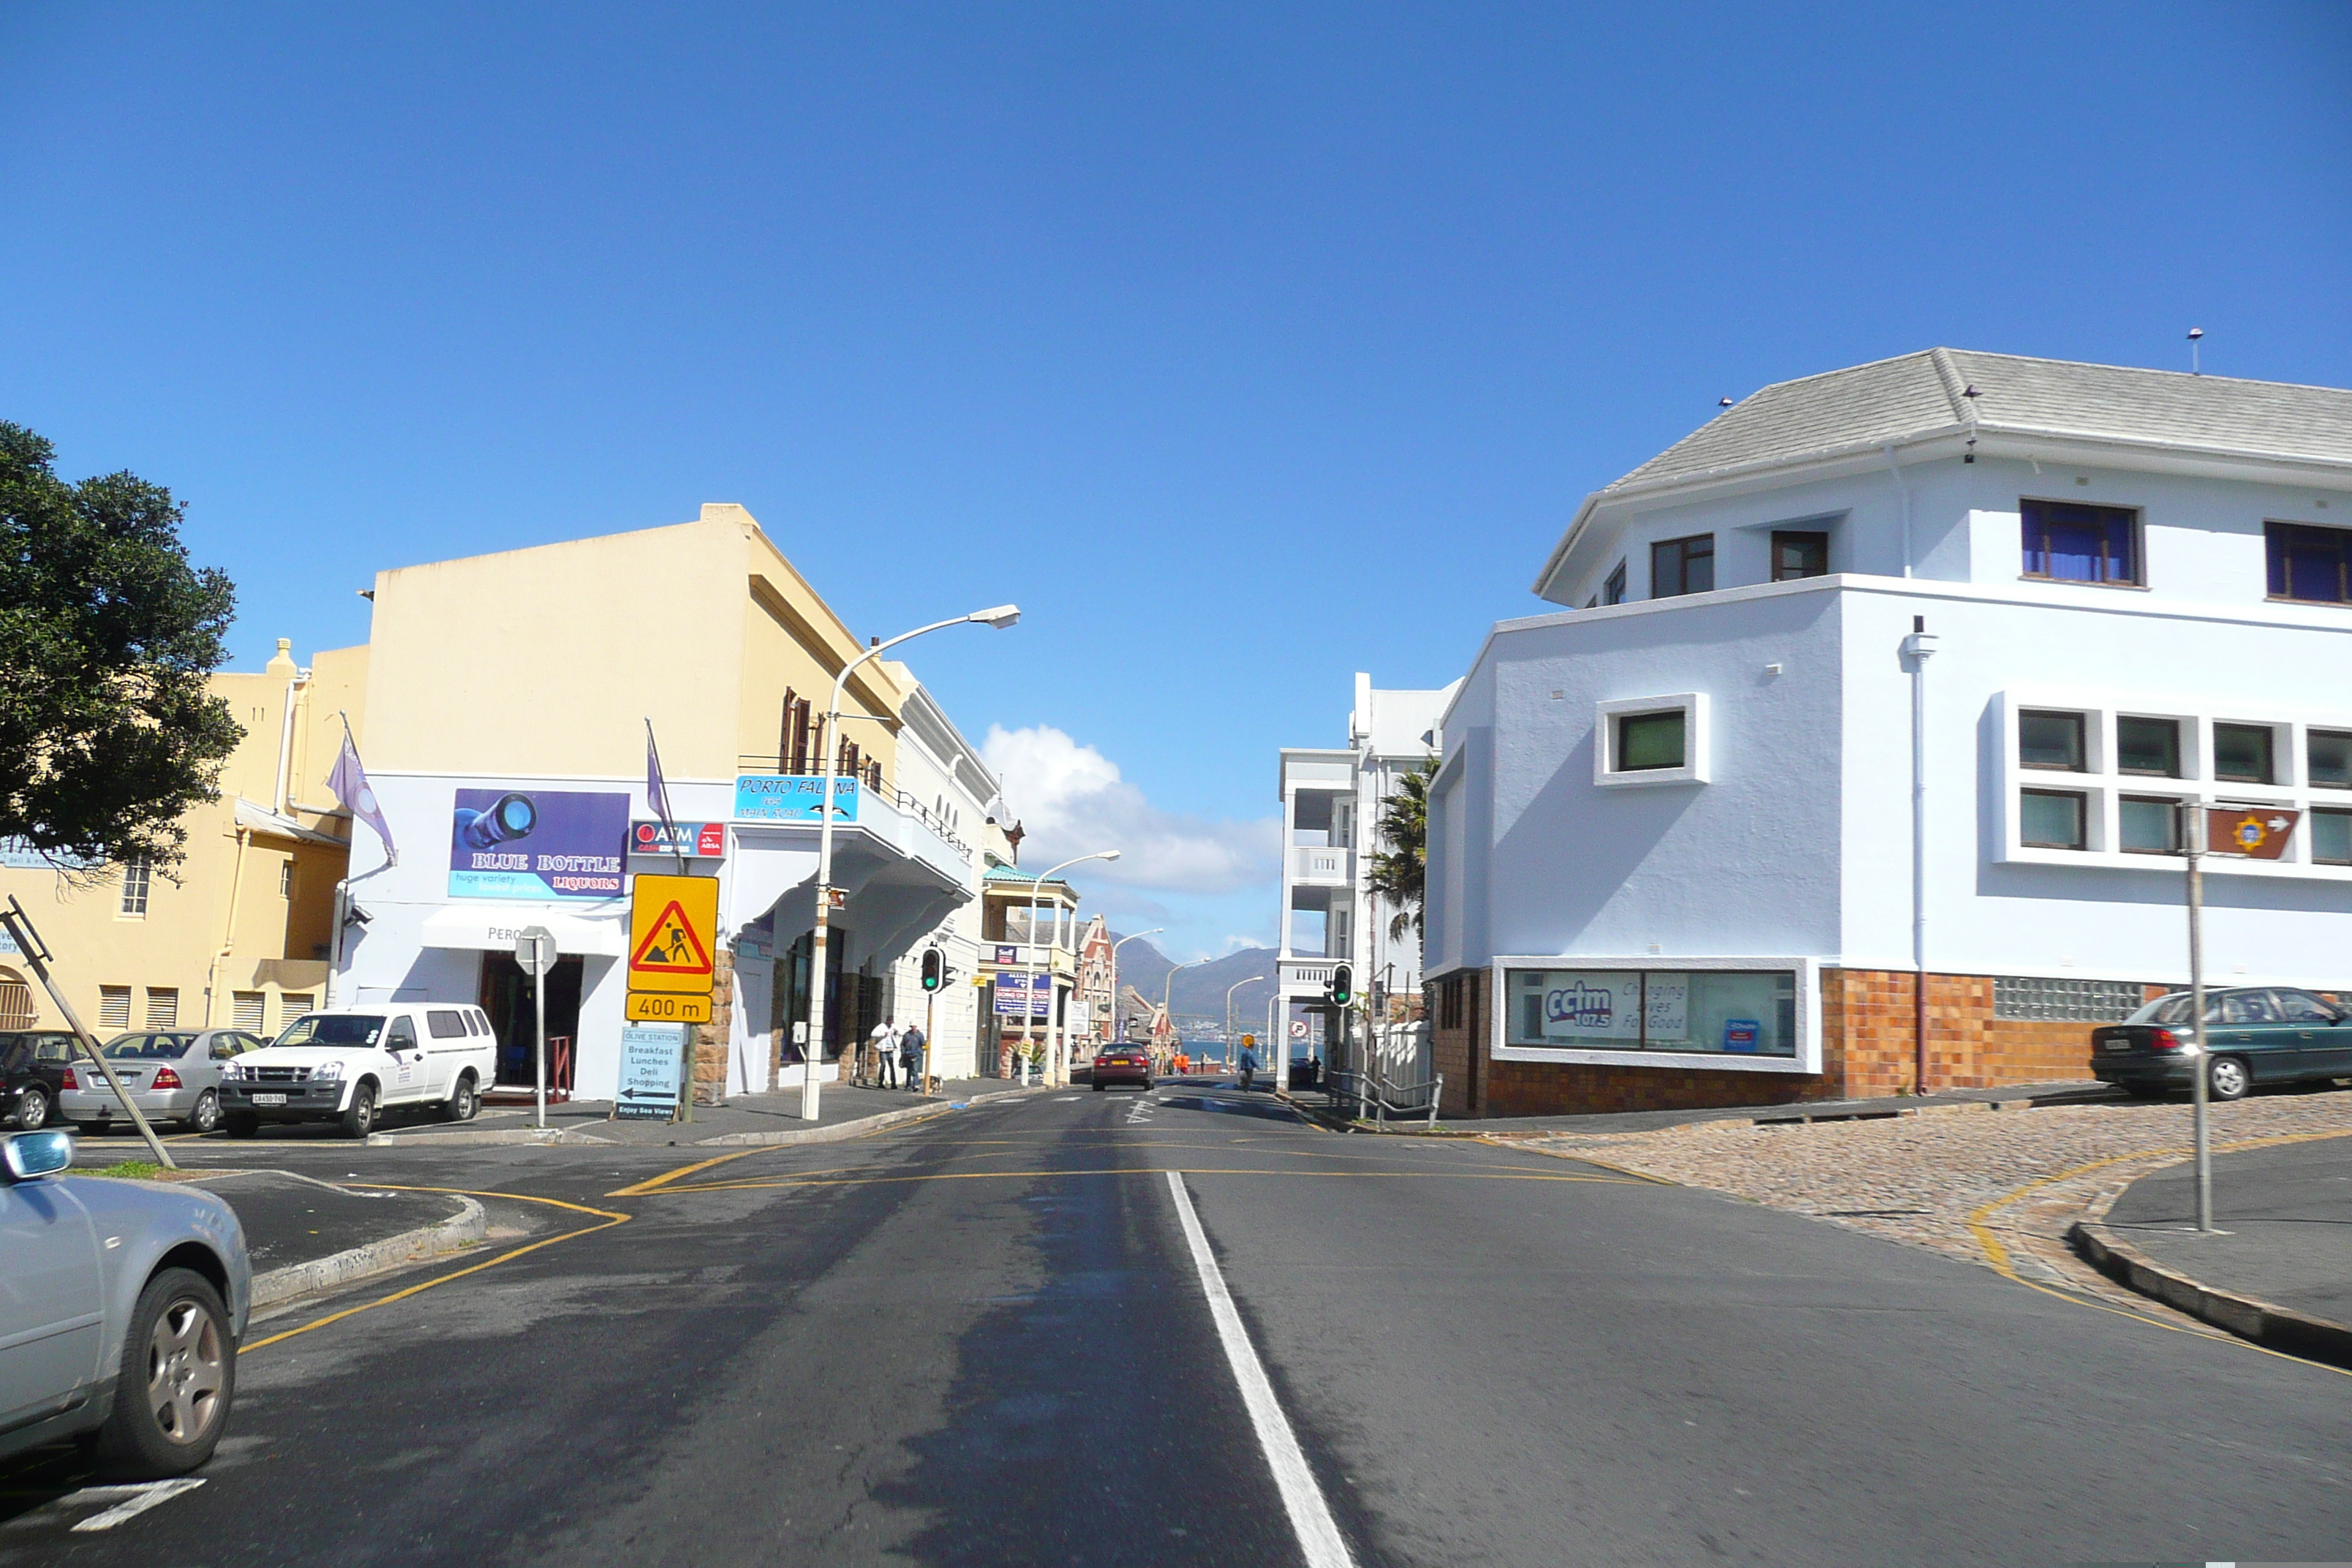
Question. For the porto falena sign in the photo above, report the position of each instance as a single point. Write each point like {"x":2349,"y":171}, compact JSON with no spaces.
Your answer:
{"x":792,"y":797}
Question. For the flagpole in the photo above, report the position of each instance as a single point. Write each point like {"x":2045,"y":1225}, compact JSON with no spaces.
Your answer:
{"x":657,"y":786}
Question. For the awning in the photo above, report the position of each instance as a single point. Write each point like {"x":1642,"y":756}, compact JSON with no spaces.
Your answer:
{"x":488,"y":925}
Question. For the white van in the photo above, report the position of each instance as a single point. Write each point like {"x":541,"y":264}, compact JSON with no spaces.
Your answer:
{"x":352,"y":1064}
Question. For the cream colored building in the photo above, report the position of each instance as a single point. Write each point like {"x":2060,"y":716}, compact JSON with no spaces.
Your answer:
{"x":236,"y":935}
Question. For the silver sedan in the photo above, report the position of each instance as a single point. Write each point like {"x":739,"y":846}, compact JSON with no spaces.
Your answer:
{"x":174,"y":1074}
{"x":121,"y":1308}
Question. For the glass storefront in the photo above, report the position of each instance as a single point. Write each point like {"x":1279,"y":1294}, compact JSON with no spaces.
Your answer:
{"x":1729,"y":1012}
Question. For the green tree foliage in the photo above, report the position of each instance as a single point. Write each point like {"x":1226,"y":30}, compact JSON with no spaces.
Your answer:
{"x":107,"y":733}
{"x":1399,"y":871}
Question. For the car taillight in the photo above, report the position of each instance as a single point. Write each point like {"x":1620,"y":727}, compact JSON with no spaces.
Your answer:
{"x":71,"y":1081}
{"x":166,"y":1078}
{"x":2164,"y":1040}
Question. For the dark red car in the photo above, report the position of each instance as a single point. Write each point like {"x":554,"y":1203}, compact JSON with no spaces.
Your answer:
{"x":1123,"y":1064}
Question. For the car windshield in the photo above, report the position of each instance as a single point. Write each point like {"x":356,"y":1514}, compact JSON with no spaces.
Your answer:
{"x":2174,"y":1009}
{"x":148,"y":1048}
{"x":333,"y":1029}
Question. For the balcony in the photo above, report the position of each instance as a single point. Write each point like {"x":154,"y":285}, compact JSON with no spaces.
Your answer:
{"x":1313,"y":865}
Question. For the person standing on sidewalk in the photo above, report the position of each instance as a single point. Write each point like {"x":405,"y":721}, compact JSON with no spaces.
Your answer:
{"x":910,"y":1057}
{"x":885,"y":1043}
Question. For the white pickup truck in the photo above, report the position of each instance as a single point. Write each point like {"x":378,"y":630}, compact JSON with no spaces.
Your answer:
{"x":353,"y":1063}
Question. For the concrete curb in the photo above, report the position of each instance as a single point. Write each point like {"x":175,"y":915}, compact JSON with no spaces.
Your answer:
{"x":465,"y":1228}
{"x":2267,"y":1324}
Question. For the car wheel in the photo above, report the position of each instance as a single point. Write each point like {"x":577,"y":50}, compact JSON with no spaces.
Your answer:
{"x":359,"y":1120}
{"x":462,"y":1102}
{"x":33,"y":1109}
{"x":2228,"y":1078}
{"x":178,"y":1378}
{"x":205,"y":1114}
{"x":243,"y":1123}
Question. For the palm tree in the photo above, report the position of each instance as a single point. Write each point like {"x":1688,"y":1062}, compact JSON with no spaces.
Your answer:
{"x":1397,"y":872}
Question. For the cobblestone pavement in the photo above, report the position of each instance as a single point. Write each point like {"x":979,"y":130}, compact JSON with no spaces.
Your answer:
{"x":1922,"y":1177}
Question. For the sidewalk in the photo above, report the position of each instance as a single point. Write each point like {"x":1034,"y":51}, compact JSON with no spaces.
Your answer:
{"x":746,"y":1119}
{"x":2283,"y":1239}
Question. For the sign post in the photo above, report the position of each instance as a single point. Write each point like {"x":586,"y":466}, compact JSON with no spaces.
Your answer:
{"x":2257,"y":835}
{"x":535,"y":950}
{"x":28,"y":944}
{"x":673,"y":930}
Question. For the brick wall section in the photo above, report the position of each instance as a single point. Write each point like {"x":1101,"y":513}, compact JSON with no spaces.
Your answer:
{"x":1867,"y":1050}
{"x":710,"y":1039}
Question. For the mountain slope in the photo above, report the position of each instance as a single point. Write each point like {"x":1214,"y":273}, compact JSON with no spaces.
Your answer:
{"x":1199,"y":989}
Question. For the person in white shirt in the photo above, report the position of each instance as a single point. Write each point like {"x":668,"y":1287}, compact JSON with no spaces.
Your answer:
{"x":885,"y":1041}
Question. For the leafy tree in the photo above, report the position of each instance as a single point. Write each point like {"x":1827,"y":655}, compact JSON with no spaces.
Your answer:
{"x":107,"y":634}
{"x":1399,"y":871}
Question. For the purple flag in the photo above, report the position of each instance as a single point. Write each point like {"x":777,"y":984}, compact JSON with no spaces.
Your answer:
{"x":656,"y":796}
{"x":350,"y":782}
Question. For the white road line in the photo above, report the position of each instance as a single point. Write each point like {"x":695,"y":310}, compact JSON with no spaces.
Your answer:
{"x":1310,"y":1517}
{"x":140,"y":1499}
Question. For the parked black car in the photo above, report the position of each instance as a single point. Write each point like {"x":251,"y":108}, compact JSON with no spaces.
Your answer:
{"x":2257,"y":1034}
{"x":33,"y":1065}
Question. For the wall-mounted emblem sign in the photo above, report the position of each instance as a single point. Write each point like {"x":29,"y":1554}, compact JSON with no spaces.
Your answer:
{"x":792,"y":797}
{"x":536,"y":844}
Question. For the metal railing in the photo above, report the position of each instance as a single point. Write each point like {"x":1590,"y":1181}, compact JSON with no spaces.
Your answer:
{"x":1375,"y":1098}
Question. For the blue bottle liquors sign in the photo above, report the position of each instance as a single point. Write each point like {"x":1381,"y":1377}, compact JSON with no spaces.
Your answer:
{"x":536,"y":844}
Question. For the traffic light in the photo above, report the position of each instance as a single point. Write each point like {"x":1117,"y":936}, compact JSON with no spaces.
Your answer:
{"x":1343,"y":989}
{"x":935,"y":969}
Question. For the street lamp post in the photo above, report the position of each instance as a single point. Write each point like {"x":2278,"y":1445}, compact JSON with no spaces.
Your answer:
{"x":1029,"y":1007}
{"x":1169,"y":991}
{"x":1229,"y":1010}
{"x":1115,"y":1036}
{"x":1003,"y":615}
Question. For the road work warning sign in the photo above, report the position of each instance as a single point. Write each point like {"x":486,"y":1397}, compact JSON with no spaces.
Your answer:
{"x":673,"y":929}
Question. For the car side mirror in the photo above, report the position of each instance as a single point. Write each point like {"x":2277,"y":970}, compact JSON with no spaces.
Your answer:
{"x":30,"y":1154}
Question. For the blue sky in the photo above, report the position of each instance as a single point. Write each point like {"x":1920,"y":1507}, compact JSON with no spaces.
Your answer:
{"x":1244,"y":347}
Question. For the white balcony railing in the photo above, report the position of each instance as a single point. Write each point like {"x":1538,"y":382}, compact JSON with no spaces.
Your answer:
{"x":1317,"y":868}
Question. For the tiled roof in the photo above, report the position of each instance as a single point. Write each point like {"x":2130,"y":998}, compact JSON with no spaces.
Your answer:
{"x":1924,"y":394}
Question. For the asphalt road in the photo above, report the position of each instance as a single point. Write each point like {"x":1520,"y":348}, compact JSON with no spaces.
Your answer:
{"x":985,"y":1338}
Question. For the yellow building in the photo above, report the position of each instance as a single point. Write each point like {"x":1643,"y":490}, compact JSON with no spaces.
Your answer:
{"x":238,"y":934}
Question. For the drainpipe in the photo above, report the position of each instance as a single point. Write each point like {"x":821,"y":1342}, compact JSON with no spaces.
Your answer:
{"x":1895,"y":472}
{"x":228,"y":934}
{"x":1919,"y":648}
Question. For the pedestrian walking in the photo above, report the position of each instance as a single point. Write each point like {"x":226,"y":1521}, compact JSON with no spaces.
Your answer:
{"x":1249,"y":1059}
{"x":910,"y":1057}
{"x":884,"y":1044}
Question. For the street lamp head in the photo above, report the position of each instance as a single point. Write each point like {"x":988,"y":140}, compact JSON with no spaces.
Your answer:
{"x":1107,"y":855}
{"x":1000,"y":617}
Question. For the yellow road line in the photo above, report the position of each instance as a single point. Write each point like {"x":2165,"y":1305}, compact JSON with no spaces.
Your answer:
{"x":1581,"y":1159}
{"x":607,"y":1216}
{"x":1980,"y":1224}
{"x":666,"y":1177}
{"x":1136,"y":1171}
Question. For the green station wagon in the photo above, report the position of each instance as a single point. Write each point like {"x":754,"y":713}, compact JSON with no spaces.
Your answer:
{"x":2259,"y":1034}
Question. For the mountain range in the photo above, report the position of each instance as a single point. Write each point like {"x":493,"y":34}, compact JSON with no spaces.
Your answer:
{"x":1200,"y":988}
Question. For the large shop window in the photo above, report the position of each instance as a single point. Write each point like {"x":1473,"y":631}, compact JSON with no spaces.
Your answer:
{"x":1727,"y":1012}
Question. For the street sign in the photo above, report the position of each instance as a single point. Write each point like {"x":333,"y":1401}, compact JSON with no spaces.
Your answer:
{"x":650,"y":1054}
{"x":673,"y":930}
{"x":654,"y":1007}
{"x":535,"y":950}
{"x":704,"y":840}
{"x":2256,"y":833}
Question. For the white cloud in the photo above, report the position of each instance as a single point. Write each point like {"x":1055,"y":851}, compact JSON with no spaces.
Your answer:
{"x":1072,"y":801}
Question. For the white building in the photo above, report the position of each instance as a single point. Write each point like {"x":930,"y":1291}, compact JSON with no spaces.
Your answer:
{"x":942,"y":782}
{"x":1331,"y":803}
{"x":1674,"y":853}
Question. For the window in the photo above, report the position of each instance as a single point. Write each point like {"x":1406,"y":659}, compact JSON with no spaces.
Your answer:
{"x":2148,"y":825}
{"x":336,"y":1029}
{"x":115,"y":1007}
{"x":286,"y":879}
{"x":1680,"y":566}
{"x":1735,"y":1013}
{"x":1612,"y":592}
{"x":1800,"y":553}
{"x":2067,"y":541}
{"x":2241,"y":754}
{"x":401,"y":1036}
{"x":292,"y":1005}
{"x":2065,"y":1001}
{"x":1648,"y":741}
{"x":446,"y":1024}
{"x":163,"y":1007}
{"x":136,"y":876}
{"x":2329,"y":754}
{"x":2050,"y":819}
{"x":2050,"y":741}
{"x":2313,"y":564}
{"x":246,"y":1009}
{"x":2331,"y":836}
{"x":2148,"y":746}
{"x":2248,"y":1008}
{"x":2297,"y":1007}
